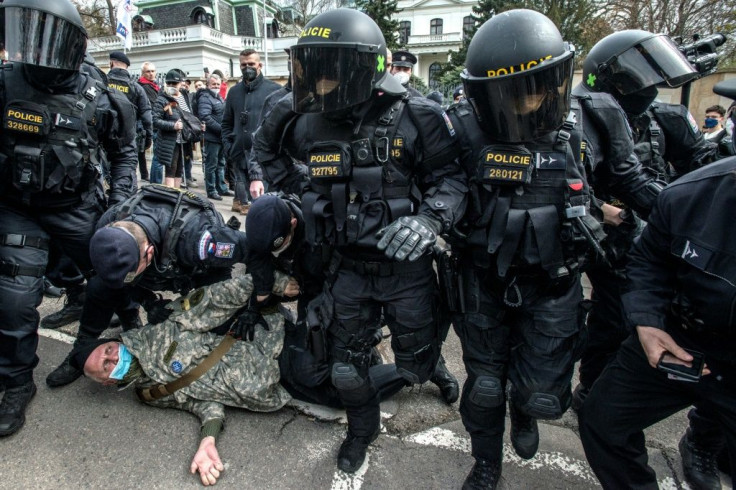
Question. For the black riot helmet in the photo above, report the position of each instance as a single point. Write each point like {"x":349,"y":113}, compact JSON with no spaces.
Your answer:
{"x":522,"y":93}
{"x":339,"y":59}
{"x":48,"y":37}
{"x":631,"y":64}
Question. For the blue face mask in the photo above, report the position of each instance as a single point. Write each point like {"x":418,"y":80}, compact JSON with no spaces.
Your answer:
{"x":711,"y":122}
{"x":123,"y":365}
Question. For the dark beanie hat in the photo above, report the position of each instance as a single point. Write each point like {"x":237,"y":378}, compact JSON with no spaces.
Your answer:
{"x":81,"y":352}
{"x":120,"y":56}
{"x":114,"y":254}
{"x":268,"y":224}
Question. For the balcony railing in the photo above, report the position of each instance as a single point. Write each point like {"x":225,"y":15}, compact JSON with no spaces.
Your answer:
{"x":450,"y":37}
{"x":175,"y":35}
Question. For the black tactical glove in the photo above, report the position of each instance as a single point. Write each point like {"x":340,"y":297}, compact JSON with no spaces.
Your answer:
{"x":244,"y":327}
{"x":409,"y":236}
{"x":157,"y":311}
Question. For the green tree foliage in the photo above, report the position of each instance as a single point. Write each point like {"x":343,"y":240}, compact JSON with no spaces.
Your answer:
{"x":384,"y":13}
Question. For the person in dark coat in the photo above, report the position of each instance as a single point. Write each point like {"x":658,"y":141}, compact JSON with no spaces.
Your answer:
{"x":242,"y":107}
{"x":210,"y":108}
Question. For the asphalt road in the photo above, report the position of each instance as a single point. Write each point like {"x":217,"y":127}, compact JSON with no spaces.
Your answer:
{"x":88,"y":436}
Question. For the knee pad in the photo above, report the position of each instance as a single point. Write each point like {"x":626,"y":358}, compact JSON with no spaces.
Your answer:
{"x":487,"y":392}
{"x":345,"y":377}
{"x":543,"y":406}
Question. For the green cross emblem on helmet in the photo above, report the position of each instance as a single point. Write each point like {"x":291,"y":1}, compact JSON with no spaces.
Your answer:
{"x":381,"y":60}
{"x":591,"y":80}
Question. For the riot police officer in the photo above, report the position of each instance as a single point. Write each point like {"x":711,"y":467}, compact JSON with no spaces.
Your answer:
{"x":118,"y":79}
{"x":630,"y":65}
{"x":54,"y":119}
{"x":160,"y":239}
{"x":521,"y":241}
{"x":624,"y":194}
{"x":383,"y":183}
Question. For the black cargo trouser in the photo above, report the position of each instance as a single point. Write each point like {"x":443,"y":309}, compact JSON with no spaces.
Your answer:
{"x":407,"y":301}
{"x":534,"y":343}
{"x":69,"y":228}
{"x":607,"y":327}
{"x":630,"y":396}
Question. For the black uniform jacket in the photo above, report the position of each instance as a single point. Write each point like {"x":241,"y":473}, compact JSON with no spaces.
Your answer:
{"x":682,"y":270}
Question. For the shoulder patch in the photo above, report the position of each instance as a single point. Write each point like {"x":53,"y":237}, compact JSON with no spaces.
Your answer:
{"x":204,"y":242}
{"x":693,"y":123}
{"x":224,"y":250}
{"x":448,"y":123}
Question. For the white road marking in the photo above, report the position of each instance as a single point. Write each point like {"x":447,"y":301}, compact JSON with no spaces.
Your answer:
{"x":447,"y":439}
{"x":351,"y":481}
{"x":53,"y":334}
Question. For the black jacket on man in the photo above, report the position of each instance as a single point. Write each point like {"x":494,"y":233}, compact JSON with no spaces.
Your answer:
{"x":210,"y":109}
{"x":237,"y":131}
{"x":684,"y":262}
{"x":202,"y":251}
{"x":119,"y":79}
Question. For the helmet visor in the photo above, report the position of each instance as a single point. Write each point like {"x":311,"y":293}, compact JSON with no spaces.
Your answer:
{"x":330,"y":78}
{"x":655,"y":61}
{"x":525,"y":106}
{"x":39,"y":38}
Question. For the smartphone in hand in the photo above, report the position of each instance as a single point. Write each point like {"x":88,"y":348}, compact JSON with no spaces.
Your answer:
{"x":678,"y":371}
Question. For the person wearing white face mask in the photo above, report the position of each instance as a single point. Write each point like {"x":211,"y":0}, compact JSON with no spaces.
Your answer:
{"x":211,"y":107}
{"x":402,"y":64}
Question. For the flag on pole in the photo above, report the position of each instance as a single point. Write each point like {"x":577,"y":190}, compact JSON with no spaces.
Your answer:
{"x":124,"y":17}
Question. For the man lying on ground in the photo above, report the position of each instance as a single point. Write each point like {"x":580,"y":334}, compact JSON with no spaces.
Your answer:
{"x":188,"y":363}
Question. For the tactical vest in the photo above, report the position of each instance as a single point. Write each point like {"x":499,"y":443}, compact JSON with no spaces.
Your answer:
{"x":649,"y":143}
{"x":528,"y":203}
{"x":48,"y":147}
{"x":356,"y":187}
{"x":185,"y":206}
{"x":122,"y":84}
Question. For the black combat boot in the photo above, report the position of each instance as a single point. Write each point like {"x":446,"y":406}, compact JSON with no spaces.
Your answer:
{"x":446,"y":382}
{"x":524,"y":432}
{"x":579,"y":394}
{"x":699,"y":464}
{"x":63,"y":375}
{"x":352,"y":452}
{"x":71,"y":312}
{"x":13,"y":407}
{"x":485,"y":475}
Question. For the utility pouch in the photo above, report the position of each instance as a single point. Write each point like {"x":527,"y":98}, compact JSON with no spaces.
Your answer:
{"x":447,"y":273}
{"x":28,"y":174}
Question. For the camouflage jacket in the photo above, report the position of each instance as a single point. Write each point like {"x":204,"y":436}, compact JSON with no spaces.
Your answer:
{"x":246,"y":377}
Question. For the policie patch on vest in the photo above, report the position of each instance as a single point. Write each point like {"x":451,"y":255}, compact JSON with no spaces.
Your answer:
{"x":26,"y":118}
{"x":502,"y":165}
{"x":326,"y":165}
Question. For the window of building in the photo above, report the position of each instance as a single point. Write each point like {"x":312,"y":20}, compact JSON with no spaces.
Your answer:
{"x":142,"y":23}
{"x":404,"y":32}
{"x":435,"y":26}
{"x":434,"y":75}
{"x":202,"y":15}
{"x":468,"y":26}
